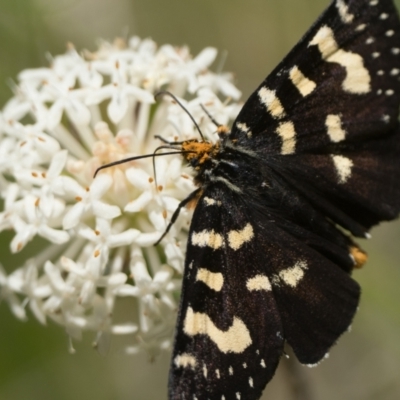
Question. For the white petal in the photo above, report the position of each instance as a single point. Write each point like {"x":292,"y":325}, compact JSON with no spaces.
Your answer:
{"x":123,"y":239}
{"x":205,"y":58}
{"x":127,"y":291}
{"x":100,"y":185}
{"x":147,"y":239}
{"x":125,"y":329}
{"x":117,"y":108}
{"x":104,"y":210}
{"x":57,"y":164}
{"x":55,"y":114}
{"x":36,"y":308}
{"x":139,"y":178}
{"x":78,"y":113}
{"x":73,"y":216}
{"x":140,"y":203}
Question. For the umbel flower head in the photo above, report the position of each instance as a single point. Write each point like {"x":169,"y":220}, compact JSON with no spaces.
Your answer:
{"x":64,"y":122}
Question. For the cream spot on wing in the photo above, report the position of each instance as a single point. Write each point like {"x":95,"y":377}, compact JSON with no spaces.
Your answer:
{"x":292,"y":276}
{"x":244,"y":365}
{"x":185,"y":360}
{"x":379,"y":91}
{"x":205,"y":372}
{"x":251,"y":382}
{"x":235,"y":340}
{"x":214,"y":280}
{"x":230,"y":370}
{"x":238,"y":396}
{"x":217,"y":373}
{"x":344,"y":14}
{"x":389,"y":92}
{"x":357,"y":76}
{"x":384,"y":16}
{"x":304,"y":85}
{"x":244,"y":128}
{"x":370,"y":40}
{"x":271,"y":102}
{"x":207,"y":239}
{"x":236,"y":239}
{"x":374,"y":2}
{"x":288,"y":135}
{"x":259,"y":282}
{"x":376,"y":54}
{"x":395,"y":50}
{"x":361,"y":27}
{"x":211,"y":202}
{"x":394,"y":71}
{"x":263,"y":364}
{"x":334,"y":125}
{"x":343,"y":167}
{"x":389,"y":33}
{"x":380,"y":72}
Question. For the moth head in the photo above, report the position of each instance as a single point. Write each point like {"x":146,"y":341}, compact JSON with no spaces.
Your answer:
{"x":198,"y":153}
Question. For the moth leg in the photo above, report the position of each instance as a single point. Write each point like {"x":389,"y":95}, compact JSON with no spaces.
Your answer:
{"x":192,"y":196}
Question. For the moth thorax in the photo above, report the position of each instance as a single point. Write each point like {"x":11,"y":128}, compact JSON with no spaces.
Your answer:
{"x":199,"y":152}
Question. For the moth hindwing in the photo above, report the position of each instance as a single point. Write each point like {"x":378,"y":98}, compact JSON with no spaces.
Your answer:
{"x":316,"y":147}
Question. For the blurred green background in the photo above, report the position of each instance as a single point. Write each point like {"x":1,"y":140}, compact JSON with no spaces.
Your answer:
{"x":34,"y":361}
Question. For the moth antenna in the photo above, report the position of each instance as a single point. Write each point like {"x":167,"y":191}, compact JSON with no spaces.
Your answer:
{"x":125,"y":160}
{"x":218,"y":125}
{"x":165,"y":92}
{"x":166,"y":141}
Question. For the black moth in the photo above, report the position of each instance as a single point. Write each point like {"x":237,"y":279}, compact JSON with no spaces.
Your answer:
{"x":312,"y":160}
{"x":314,"y":153}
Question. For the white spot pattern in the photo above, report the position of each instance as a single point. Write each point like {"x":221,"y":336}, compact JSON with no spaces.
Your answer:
{"x":288,"y":135}
{"x":389,"y":33}
{"x":304,"y":85}
{"x":205,"y":372}
{"x":259,"y":282}
{"x":344,"y":14}
{"x":244,"y":128}
{"x":293,"y":275}
{"x":211,"y":202}
{"x":262,"y":363}
{"x":370,"y":40}
{"x":214,"y":280}
{"x":207,"y":239}
{"x":271,"y":102}
{"x":251,"y":382}
{"x":185,"y":360}
{"x":361,"y":27}
{"x":357,"y":79}
{"x":236,"y":339}
{"x":236,"y":239}
{"x":343,"y":167}
{"x":334,"y":125}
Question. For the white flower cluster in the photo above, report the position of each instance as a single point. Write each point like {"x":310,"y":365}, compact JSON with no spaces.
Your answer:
{"x":65,"y":121}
